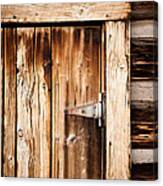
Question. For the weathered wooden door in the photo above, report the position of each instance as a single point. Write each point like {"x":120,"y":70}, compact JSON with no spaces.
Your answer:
{"x":58,"y":61}
{"x":76,"y":83}
{"x":48,"y":72}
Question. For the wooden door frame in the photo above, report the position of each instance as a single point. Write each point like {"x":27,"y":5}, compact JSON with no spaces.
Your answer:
{"x":115,"y":37}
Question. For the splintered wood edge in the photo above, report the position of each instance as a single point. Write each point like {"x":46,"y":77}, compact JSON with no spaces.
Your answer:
{"x":64,"y":12}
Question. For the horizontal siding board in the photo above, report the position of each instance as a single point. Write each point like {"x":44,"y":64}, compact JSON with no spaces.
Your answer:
{"x":144,"y":10}
{"x":144,"y":135}
{"x":36,"y":13}
{"x":146,"y":171}
{"x":144,"y":143}
{"x":144,"y":70}
{"x":144,"y":49}
{"x":143,"y":90}
{"x":144,"y":28}
{"x":144,"y":111}
{"x":140,"y":156}
{"x":144,"y":58}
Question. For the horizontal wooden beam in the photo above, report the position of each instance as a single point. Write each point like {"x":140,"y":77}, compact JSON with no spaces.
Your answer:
{"x":140,"y":156}
{"x":64,"y":12}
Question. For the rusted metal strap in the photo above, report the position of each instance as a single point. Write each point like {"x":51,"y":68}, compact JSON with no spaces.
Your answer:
{"x":88,"y":111}
{"x":92,"y":110}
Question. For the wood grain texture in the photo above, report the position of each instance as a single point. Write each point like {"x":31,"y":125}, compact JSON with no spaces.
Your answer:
{"x":140,"y":156}
{"x":144,"y":70}
{"x":33,"y":13}
{"x":144,"y":134}
{"x":144,"y":90}
{"x":145,"y":171}
{"x":118,"y":100}
{"x":74,"y":71}
{"x":144,"y":57}
{"x":144,"y":73}
{"x":144,"y":49}
{"x":1,"y":99}
{"x":25,"y":102}
{"x":144,"y":28}
{"x":84,"y":83}
{"x":56,"y":40}
{"x":42,"y":119}
{"x":76,"y":142}
{"x":9,"y":146}
{"x":60,"y":44}
{"x":144,"y":111}
{"x":33,"y":102}
{"x":142,"y":10}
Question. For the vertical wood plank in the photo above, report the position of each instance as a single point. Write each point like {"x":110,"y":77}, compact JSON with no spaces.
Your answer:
{"x":82,"y":136}
{"x":55,"y":102}
{"x":60,"y":48}
{"x":25,"y":102}
{"x":1,"y":99}
{"x":9,"y":102}
{"x":33,"y":102}
{"x":70,"y":153}
{"x":118,"y":100}
{"x":94,"y":84}
{"x":42,"y":116}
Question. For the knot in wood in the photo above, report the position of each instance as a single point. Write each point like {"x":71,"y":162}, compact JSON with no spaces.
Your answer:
{"x":10,"y":158}
{"x":14,"y":17}
{"x":57,"y":139}
{"x":71,"y":138}
{"x":107,"y":15}
{"x":83,"y":111}
{"x":43,"y":85}
{"x":110,"y":36}
{"x":20,"y":133}
{"x":47,"y":64}
{"x":81,"y":11}
{"x":122,"y":66}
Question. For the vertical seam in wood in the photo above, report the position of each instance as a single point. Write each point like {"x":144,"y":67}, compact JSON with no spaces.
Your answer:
{"x":16,"y":107}
{"x":100,"y":87}
{"x":2,"y":124}
{"x":128,"y":56}
{"x":51,"y":107}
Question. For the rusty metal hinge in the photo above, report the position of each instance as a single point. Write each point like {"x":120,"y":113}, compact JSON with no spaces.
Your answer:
{"x":92,"y":110}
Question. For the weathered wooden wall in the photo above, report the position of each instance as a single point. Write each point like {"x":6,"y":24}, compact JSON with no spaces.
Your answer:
{"x":144,"y":63}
